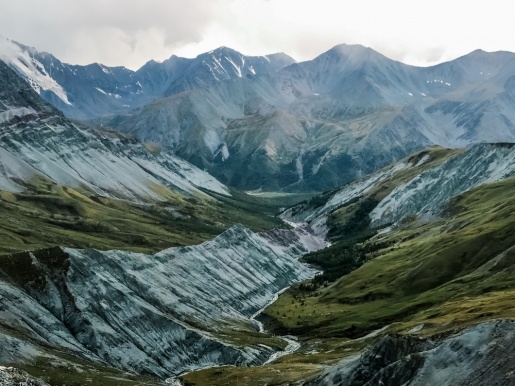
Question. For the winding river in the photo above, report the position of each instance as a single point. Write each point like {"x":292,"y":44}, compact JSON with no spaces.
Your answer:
{"x":292,"y":344}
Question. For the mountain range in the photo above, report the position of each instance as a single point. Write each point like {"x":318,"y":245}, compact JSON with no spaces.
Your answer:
{"x":85,"y":92}
{"x":307,"y":126}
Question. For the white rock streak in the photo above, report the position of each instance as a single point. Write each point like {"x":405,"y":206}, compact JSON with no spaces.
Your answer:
{"x":106,"y":163}
{"x":164,"y":313}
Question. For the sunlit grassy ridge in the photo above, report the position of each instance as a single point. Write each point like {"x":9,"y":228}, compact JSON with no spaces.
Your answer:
{"x":47,"y":214}
{"x":423,"y":268}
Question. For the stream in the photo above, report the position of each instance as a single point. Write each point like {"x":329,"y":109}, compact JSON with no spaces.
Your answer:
{"x":292,"y":343}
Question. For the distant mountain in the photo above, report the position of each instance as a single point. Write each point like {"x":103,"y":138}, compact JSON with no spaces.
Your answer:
{"x":218,"y":65}
{"x":84,"y":92}
{"x":37,"y":141}
{"x":317,"y":124}
{"x":269,"y":123}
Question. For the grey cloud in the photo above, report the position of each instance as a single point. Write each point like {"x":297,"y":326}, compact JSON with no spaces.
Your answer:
{"x":62,"y":26}
{"x":130,"y":32}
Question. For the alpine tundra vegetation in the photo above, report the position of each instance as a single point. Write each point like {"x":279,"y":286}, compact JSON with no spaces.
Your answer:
{"x":251,"y":220}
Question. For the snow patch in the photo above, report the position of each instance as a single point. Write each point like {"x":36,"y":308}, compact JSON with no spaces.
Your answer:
{"x":30,"y":69}
{"x":423,"y":160}
{"x":416,"y":329}
{"x":236,"y":67}
{"x":375,"y":333}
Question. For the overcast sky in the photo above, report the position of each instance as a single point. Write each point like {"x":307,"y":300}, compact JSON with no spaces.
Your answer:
{"x":131,"y":32}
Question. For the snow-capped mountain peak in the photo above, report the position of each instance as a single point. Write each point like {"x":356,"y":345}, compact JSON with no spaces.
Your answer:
{"x":26,"y":65}
{"x":37,"y":141}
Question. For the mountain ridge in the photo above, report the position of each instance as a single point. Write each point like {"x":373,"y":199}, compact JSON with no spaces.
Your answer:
{"x":150,"y":313}
{"x":92,"y":90}
{"x":321,"y":115}
{"x":347,"y":112}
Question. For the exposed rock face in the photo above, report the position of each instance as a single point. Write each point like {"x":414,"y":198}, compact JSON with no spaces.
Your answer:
{"x":426,"y":194}
{"x":37,"y":141}
{"x":316,"y":216}
{"x":9,"y":376}
{"x":157,"y":314}
{"x":480,"y":355}
{"x":85,"y":92}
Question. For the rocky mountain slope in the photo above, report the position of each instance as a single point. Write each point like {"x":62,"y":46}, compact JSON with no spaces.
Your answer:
{"x":158,"y":314}
{"x":424,"y":300}
{"x":85,"y":92}
{"x":420,"y":186}
{"x":427,"y":194}
{"x":38,"y":142}
{"x":318,"y":124}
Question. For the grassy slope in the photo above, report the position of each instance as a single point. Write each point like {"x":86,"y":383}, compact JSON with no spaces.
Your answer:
{"x":48,"y":215}
{"x":444,"y":275}
{"x":425,"y":268}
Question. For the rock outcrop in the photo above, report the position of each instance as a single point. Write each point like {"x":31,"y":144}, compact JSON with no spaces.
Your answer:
{"x":155,"y":314}
{"x":479,"y":355}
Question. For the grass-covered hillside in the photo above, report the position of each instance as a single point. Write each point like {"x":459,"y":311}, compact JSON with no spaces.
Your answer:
{"x":47,"y":214}
{"x":443,"y":274}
